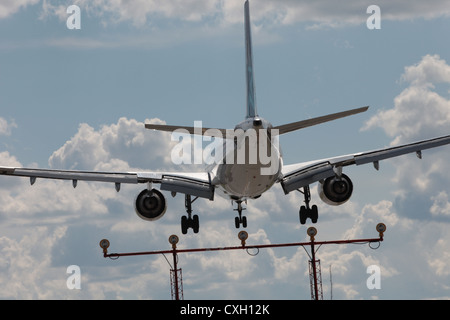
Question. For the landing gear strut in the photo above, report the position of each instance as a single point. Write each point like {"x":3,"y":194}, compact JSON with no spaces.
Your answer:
{"x":306,"y":211}
{"x":241,"y":219}
{"x":189,"y":222}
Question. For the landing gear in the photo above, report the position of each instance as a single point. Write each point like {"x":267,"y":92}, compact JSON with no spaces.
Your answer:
{"x":189,"y":221}
{"x":306,"y":211}
{"x":241,"y":219}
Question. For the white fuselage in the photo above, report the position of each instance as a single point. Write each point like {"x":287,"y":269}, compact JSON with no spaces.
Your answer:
{"x":253,"y":163}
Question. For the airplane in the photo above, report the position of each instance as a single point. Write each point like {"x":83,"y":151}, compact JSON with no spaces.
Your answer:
{"x":245,"y":179}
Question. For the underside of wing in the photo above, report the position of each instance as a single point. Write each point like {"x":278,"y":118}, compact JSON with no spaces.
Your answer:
{"x":299,"y":175}
{"x":195,"y":183}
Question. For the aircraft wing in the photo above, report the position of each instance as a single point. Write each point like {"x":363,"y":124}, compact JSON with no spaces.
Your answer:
{"x":299,"y":175}
{"x":195,"y":183}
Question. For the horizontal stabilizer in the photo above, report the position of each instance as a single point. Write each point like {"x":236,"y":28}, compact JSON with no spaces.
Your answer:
{"x":214,"y":132}
{"x":312,"y":122}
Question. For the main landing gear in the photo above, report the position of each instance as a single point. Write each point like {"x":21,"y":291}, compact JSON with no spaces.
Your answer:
{"x":241,"y":219}
{"x":189,"y":221}
{"x":306,"y":211}
{"x":192,"y":221}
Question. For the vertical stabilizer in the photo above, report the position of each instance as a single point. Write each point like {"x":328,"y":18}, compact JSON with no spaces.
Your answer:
{"x":251,"y":97}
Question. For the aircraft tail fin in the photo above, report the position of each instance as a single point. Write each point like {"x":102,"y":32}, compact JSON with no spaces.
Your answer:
{"x":251,"y":96}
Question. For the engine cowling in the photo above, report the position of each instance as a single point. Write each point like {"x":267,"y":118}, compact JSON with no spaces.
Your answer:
{"x":150,"y":205}
{"x":335,"y":191}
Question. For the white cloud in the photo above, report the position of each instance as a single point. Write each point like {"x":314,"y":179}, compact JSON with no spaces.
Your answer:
{"x":10,"y":7}
{"x":6,"y":127}
{"x":207,"y":18}
{"x":117,"y":147}
{"x":26,"y":264}
{"x":73,"y":221}
{"x":419,"y":112}
{"x":417,"y":218}
{"x":139,"y":12}
{"x":421,"y":206}
{"x":440,"y":259}
{"x":441,"y":204}
{"x":125,"y":144}
{"x":85,"y":215}
{"x":47,"y":227}
{"x":271,"y":12}
{"x":6,"y":159}
{"x":430,"y":70}
{"x":332,"y":14}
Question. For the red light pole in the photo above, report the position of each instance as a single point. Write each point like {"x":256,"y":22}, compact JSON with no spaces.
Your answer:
{"x":176,"y":280}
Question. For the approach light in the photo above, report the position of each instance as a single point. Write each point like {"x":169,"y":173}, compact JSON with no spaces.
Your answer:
{"x":311,"y":232}
{"x":381,"y":228}
{"x":173,"y":240}
{"x":104,"y":244}
{"x":243,"y":235}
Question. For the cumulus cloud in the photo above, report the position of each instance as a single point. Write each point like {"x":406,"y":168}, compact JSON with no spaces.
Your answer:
{"x":441,"y":204}
{"x":207,"y":18}
{"x":6,"y":127}
{"x":47,"y":227}
{"x":9,"y":7}
{"x":71,"y":222}
{"x":95,"y":210}
{"x":123,"y":145}
{"x":117,"y":147}
{"x":25,"y":262}
{"x":8,"y":160}
{"x":417,"y":218}
{"x":429,"y":71}
{"x":320,"y":13}
{"x":55,"y":202}
{"x":419,"y":113}
{"x":139,"y":12}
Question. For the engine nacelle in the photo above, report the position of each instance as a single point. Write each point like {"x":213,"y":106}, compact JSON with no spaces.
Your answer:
{"x":335,"y":192}
{"x":150,"y":204}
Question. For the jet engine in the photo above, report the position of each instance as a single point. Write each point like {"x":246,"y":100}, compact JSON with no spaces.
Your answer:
{"x":334,"y":191}
{"x":150,"y":204}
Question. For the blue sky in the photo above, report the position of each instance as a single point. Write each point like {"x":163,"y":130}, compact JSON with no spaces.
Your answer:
{"x":77,"y":99}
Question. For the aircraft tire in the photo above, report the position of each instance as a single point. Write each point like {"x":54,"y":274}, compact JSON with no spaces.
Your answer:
{"x":303,"y":214}
{"x":244,"y":222}
{"x":195,"y":224}
{"x":184,"y":225}
{"x":314,"y":214}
